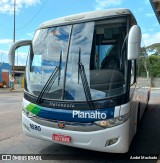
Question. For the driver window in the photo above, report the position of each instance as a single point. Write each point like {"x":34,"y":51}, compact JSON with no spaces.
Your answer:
{"x":106,"y":74}
{"x":106,"y":47}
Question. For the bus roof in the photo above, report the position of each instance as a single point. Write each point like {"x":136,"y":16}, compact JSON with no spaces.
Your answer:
{"x":92,"y":15}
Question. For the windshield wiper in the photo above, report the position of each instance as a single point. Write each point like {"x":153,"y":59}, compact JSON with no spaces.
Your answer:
{"x":60,"y":62}
{"x":56,"y":73}
{"x":48,"y":84}
{"x":86,"y":88}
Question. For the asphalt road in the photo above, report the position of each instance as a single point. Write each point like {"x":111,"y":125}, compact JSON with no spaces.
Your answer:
{"x":13,"y":141}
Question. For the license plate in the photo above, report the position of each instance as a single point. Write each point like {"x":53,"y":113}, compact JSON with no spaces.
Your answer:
{"x":61,"y":138}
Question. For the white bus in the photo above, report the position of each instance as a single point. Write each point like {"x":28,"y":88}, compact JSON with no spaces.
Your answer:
{"x":80,"y":81}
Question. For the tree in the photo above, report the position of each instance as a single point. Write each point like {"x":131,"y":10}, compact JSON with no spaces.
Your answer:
{"x":154,"y":49}
{"x":143,"y":68}
{"x":149,"y":62}
{"x":153,"y":62}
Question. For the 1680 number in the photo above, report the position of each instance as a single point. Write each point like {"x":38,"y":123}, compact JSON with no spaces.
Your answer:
{"x":35,"y":127}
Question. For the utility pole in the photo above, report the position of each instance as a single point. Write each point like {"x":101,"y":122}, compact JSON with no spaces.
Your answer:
{"x":14,"y":30}
{"x":17,"y":57}
{"x":14,"y":34}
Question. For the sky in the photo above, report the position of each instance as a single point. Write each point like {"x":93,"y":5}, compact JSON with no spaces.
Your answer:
{"x":31,"y":13}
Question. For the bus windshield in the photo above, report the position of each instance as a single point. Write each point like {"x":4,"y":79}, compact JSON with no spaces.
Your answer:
{"x":88,"y":60}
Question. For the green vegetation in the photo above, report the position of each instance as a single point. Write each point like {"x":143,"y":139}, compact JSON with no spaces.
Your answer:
{"x":149,"y":65}
{"x":149,"y":62}
{"x":4,"y":83}
{"x":153,"y":63}
{"x":143,"y":67}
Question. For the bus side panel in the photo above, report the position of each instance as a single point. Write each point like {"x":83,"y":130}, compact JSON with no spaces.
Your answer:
{"x":143,"y":93}
{"x":134,"y":111}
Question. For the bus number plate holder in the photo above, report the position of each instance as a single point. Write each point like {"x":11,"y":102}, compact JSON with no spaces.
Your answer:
{"x":61,"y":138}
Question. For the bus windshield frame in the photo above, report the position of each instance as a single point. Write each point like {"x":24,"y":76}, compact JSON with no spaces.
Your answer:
{"x":100,"y":47}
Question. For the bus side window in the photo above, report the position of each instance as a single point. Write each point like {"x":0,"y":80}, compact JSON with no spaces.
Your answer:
{"x":133,"y":72}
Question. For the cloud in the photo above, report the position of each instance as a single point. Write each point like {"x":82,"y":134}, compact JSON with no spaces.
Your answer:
{"x":150,"y":39}
{"x":150,"y":14}
{"x":7,"y":6}
{"x":3,"y":56}
{"x":6,"y":41}
{"x":30,"y":34}
{"x":102,"y":4}
{"x":22,"y":57}
{"x":3,"y":52}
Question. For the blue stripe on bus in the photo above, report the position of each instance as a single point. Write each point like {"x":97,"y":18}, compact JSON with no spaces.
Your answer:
{"x":76,"y":115}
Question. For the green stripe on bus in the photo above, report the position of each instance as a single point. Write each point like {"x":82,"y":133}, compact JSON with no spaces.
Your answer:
{"x":33,"y":108}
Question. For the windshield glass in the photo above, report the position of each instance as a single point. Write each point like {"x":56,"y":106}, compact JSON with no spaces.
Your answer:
{"x":48,"y":45}
{"x":97,"y":46}
{"x":81,"y":42}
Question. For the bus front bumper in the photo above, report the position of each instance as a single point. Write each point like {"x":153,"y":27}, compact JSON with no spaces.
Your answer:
{"x":94,"y":140}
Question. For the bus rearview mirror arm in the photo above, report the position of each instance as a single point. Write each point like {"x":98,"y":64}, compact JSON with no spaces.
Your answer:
{"x":134,"y":42}
{"x":14,"y":47}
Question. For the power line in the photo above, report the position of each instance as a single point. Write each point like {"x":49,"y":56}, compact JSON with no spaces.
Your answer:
{"x":24,"y":26}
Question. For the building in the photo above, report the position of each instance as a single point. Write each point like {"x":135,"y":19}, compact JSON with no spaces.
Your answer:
{"x":5,"y":72}
{"x":19,"y":72}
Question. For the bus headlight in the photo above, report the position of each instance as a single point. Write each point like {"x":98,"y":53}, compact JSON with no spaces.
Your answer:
{"x":113,"y":122}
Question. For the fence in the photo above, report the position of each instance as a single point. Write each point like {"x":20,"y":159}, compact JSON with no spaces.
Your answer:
{"x":155,"y":82}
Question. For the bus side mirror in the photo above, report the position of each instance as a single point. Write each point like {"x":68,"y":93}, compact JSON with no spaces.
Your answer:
{"x":134,"y":42}
{"x":14,"y":47}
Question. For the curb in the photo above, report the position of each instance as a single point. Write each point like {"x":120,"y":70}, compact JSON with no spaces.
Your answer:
{"x":153,"y":88}
{"x":7,"y":90}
